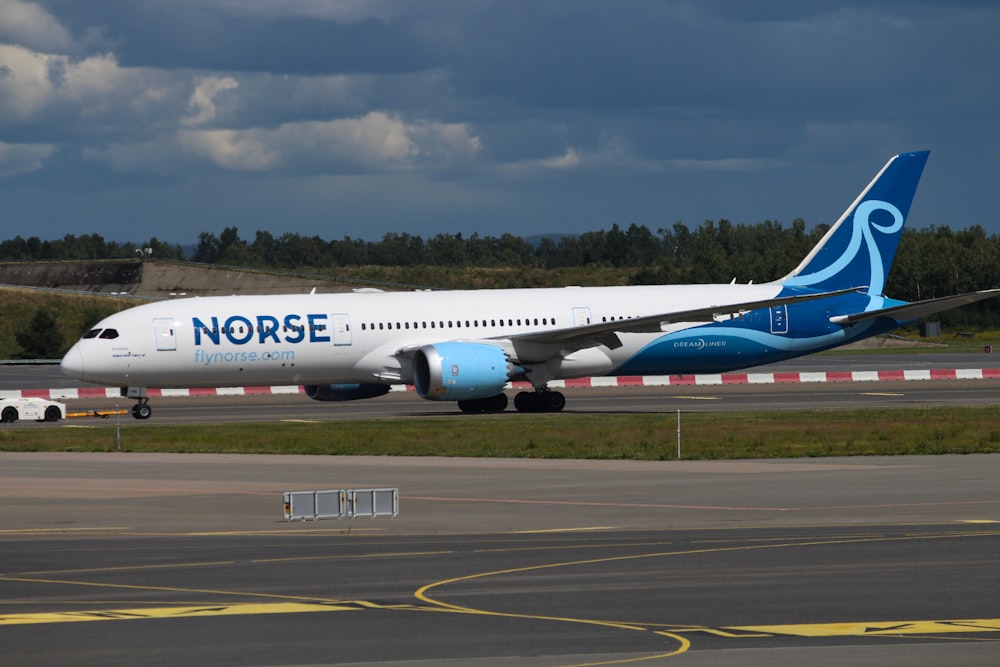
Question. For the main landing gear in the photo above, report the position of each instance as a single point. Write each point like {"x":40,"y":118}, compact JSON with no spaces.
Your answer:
{"x":526,"y":401}
{"x":539,"y":401}
{"x":489,"y":404}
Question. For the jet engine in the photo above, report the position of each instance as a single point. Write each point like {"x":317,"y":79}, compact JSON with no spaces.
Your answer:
{"x":345,"y":392}
{"x":461,"y":371}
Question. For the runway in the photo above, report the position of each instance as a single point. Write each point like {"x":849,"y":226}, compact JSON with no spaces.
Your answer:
{"x":867,"y":391}
{"x":119,"y":559}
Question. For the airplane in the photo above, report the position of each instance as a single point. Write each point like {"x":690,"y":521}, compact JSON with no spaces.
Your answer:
{"x":468,"y":345}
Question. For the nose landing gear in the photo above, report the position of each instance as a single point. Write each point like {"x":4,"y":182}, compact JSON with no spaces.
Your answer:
{"x":141,"y":409}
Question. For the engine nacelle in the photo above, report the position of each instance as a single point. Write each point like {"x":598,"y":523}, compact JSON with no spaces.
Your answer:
{"x":460,"y":371}
{"x":345,"y":392}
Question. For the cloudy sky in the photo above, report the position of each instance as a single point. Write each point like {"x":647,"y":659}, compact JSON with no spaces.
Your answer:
{"x":168,"y":118}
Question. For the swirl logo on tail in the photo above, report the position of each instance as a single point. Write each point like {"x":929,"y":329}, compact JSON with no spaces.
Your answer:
{"x":859,"y":249}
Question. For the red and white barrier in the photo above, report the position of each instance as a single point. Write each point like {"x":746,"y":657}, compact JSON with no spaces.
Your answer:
{"x":619,"y":381}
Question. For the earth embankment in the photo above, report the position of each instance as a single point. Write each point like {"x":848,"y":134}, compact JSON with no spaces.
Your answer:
{"x":159,"y":279}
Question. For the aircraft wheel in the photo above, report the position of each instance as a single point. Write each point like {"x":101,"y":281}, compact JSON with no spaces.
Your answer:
{"x":496,"y":403}
{"x":554,"y":401}
{"x":539,"y":401}
{"x":525,"y":402}
{"x":142,"y":411}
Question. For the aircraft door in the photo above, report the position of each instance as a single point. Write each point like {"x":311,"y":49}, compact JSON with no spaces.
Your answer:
{"x":341,"y":329}
{"x":166,"y":334}
{"x":779,"y":319}
{"x":581,"y":316}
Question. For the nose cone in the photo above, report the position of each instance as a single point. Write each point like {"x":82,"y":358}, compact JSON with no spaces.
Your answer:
{"x":72,"y":363}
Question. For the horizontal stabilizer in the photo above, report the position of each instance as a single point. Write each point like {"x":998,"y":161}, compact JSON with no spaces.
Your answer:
{"x":912,"y":311}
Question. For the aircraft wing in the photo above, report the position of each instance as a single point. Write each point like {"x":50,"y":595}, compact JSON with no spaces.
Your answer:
{"x":918,"y":309}
{"x":605,"y":333}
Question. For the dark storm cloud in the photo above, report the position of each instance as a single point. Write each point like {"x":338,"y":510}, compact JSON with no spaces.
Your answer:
{"x":361,"y":118}
{"x":216,"y":36}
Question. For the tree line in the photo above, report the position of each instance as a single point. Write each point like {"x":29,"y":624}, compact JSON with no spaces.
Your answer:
{"x":931,"y":262}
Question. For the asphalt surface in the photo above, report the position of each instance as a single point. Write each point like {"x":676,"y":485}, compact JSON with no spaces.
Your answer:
{"x":883,"y":394}
{"x":667,"y":400}
{"x":123,"y":559}
{"x":161,"y":559}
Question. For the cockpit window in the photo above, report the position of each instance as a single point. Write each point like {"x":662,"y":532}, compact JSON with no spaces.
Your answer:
{"x":92,"y":333}
{"x":109,"y":333}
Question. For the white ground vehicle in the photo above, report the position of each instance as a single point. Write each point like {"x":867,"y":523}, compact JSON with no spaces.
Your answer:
{"x":39,"y":409}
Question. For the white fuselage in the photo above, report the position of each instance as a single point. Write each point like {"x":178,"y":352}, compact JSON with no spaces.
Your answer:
{"x":357,"y":337}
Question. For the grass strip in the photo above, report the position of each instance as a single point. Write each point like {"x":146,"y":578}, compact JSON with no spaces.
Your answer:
{"x":754,"y":435}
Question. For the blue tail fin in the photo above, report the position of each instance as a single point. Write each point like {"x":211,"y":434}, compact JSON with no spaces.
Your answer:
{"x":859,"y":249}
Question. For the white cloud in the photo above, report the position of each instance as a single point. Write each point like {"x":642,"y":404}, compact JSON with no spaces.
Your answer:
{"x":28,"y":24}
{"x":95,"y":84}
{"x":23,"y":158}
{"x":32,"y":82}
{"x":612,"y":153}
{"x":202,"y":102}
{"x":376,"y":141}
{"x":568,"y":160}
{"x":244,"y":150}
{"x":25,"y":86}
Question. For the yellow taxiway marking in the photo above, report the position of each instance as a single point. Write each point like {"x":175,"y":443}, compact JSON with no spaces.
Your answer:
{"x":581,"y":529}
{"x":978,"y":521}
{"x":697,"y":398}
{"x":874,"y":629}
{"x":199,"y":611}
